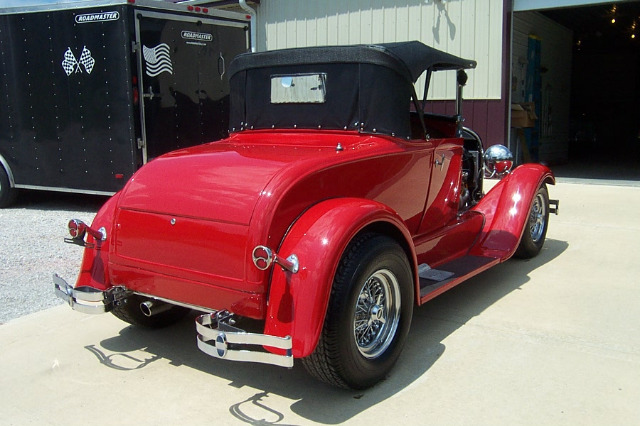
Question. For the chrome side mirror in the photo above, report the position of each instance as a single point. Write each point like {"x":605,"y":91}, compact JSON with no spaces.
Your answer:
{"x":498,"y":161}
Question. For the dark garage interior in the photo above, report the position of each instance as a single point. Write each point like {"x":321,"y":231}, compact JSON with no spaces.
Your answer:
{"x":605,"y":91}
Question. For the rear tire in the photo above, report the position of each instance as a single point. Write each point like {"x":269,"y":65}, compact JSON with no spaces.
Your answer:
{"x":368,"y":316}
{"x":535,"y":230}
{"x":130,"y":312}
{"x":7,"y":193}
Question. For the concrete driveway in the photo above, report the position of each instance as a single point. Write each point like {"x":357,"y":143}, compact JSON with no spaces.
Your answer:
{"x":553,"y":340}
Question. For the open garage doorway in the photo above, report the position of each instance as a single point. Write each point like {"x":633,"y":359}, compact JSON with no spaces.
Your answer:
{"x":585,"y":83}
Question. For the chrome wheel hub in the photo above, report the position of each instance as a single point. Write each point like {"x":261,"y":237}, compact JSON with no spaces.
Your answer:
{"x":377,"y":313}
{"x":537,"y":218}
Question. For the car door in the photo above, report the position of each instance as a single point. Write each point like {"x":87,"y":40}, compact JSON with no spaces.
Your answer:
{"x":444,"y":186}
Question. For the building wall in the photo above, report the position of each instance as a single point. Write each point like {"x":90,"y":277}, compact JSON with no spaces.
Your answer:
{"x":556,"y":54}
{"x":469,"y":28}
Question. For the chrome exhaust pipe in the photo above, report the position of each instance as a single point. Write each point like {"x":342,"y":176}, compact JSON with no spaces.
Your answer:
{"x":150,"y":308}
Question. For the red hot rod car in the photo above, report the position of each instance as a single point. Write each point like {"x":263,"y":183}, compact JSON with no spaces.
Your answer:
{"x":335,"y":206}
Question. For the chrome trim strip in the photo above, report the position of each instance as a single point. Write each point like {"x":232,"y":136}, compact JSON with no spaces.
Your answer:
{"x":194,"y":17}
{"x":52,"y":7}
{"x":157,"y":5}
{"x":68,"y":190}
{"x":216,"y":335}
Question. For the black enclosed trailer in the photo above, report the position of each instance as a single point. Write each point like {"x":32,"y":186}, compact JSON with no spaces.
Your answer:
{"x":91,"y":91}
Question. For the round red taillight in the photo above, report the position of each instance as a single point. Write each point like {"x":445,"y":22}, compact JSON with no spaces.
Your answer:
{"x":77,"y":228}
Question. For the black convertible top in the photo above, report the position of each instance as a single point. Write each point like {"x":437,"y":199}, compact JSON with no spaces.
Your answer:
{"x":410,"y":58}
{"x":364,"y":88}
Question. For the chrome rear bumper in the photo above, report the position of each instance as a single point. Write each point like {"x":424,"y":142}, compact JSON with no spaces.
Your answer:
{"x":88,"y":299}
{"x":218,"y":338}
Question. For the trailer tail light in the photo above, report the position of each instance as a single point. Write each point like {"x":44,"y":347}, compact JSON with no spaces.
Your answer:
{"x":135,"y":92}
{"x":197,"y":9}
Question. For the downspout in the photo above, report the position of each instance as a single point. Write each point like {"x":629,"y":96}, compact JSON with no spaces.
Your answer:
{"x":252,"y":13}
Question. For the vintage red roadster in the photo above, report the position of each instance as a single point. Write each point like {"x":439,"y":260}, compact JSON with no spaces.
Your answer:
{"x":333,"y":208}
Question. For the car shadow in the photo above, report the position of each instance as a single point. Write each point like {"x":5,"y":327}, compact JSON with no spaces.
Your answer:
{"x":315,"y":401}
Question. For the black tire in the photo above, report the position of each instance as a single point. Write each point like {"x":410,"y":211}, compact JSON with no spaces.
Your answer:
{"x":535,"y":230}
{"x":373,"y":282}
{"x":130,"y":312}
{"x":7,"y":193}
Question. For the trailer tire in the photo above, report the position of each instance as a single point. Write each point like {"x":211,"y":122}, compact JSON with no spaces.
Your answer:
{"x":535,"y":230}
{"x":368,"y":316}
{"x":7,"y":193}
{"x":130,"y":312}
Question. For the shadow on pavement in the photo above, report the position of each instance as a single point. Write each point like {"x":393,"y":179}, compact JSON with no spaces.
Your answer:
{"x":432,"y":324}
{"x":44,"y":200}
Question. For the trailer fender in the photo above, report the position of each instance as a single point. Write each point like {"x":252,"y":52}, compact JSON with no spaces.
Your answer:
{"x":7,"y":184}
{"x":298,"y":301}
{"x":5,"y":165}
{"x":94,"y":270}
{"x":506,"y":210}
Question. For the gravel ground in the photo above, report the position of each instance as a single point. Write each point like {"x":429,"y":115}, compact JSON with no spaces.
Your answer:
{"x":32,"y":249}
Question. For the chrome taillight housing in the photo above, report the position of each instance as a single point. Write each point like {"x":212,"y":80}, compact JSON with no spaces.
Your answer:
{"x":78,"y":229}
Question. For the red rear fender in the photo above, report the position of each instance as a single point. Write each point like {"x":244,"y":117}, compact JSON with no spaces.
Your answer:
{"x":94,"y":271}
{"x":298,"y":301}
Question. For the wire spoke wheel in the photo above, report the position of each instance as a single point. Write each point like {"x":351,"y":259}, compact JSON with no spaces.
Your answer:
{"x":368,"y":316}
{"x":535,"y":230}
{"x":377,"y":313}
{"x":538,"y":218}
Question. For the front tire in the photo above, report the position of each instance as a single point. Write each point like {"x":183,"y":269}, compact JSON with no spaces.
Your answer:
{"x":535,"y":231}
{"x":368,"y":316}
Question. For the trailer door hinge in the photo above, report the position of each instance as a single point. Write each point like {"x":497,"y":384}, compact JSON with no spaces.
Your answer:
{"x":135,"y":46}
{"x":141,"y":143}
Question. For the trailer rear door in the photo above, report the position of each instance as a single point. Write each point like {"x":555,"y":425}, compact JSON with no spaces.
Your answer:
{"x":182,"y":81}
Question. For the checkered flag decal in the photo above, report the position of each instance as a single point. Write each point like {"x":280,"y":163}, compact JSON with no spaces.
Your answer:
{"x":70,"y":64}
{"x":86,"y":60}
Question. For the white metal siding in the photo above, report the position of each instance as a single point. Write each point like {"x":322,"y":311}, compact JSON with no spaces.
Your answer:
{"x":468,"y":28}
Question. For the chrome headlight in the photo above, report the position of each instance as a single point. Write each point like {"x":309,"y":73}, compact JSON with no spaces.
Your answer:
{"x":498,"y":161}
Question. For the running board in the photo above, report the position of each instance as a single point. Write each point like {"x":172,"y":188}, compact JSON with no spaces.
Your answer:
{"x":436,"y":281}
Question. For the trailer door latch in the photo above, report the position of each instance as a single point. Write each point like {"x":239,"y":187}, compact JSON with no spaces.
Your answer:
{"x":150,"y":95}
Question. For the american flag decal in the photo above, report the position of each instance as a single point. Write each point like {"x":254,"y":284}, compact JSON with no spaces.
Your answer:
{"x":157,"y":59}
{"x":70,"y":64}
